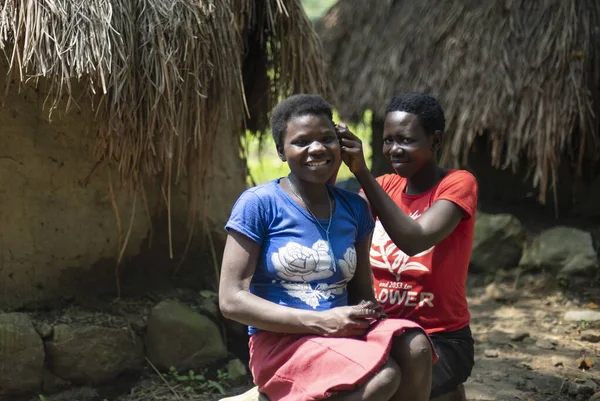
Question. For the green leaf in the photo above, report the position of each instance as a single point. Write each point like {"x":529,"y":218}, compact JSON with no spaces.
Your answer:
{"x":217,"y":386}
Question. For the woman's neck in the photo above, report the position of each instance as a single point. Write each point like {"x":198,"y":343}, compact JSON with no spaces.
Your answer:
{"x":425,"y":179}
{"x":311,"y":193}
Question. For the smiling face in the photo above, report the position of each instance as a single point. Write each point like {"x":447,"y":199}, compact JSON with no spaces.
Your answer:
{"x":311,"y":148}
{"x":406,"y":144}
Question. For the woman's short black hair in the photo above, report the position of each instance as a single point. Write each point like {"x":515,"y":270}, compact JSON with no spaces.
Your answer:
{"x":296,"y":106}
{"x":426,"y":107}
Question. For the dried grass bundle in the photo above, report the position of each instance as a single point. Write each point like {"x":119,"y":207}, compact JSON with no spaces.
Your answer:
{"x":524,"y":73}
{"x":163,"y":73}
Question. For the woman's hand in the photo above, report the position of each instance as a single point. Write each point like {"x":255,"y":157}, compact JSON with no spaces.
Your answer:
{"x":374,"y":305}
{"x":352,"y":150}
{"x":347,"y":321}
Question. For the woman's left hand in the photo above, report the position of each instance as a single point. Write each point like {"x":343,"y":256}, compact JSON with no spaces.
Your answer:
{"x":352,"y":150}
{"x":372,"y":305}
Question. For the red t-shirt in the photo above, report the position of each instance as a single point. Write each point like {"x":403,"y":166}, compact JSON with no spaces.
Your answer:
{"x":428,"y":288}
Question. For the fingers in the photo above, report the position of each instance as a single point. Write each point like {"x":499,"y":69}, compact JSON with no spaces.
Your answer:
{"x":370,"y":304}
{"x":350,"y":144}
{"x":343,"y":132}
{"x":362,"y":312}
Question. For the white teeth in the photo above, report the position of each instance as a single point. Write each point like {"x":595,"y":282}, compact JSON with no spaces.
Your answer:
{"x":322,"y":163}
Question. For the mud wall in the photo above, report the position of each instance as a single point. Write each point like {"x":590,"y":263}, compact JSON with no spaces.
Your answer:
{"x":57,"y":225}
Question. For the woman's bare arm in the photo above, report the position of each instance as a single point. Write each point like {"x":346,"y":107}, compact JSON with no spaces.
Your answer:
{"x":360,"y":288}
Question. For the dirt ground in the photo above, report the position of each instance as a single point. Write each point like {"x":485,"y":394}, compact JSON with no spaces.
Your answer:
{"x":525,"y":350}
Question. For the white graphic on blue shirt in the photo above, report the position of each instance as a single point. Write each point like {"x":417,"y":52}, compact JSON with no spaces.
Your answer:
{"x":295,"y":262}
{"x":298,"y":263}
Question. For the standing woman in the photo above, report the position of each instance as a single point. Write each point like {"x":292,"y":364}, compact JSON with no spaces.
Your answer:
{"x":296,"y":271}
{"x":424,"y":234}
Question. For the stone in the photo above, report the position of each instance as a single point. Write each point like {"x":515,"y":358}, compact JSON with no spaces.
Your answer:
{"x":179,"y":337}
{"x":558,"y":361}
{"x":44,"y":329}
{"x":52,"y":383}
{"x":498,"y":242}
{"x":491,"y":353}
{"x":545,"y":344}
{"x":592,"y":384}
{"x":93,"y":354}
{"x":236,"y":369}
{"x":495,"y":293}
{"x":589,"y":336}
{"x":561,"y":330}
{"x":137,"y":324}
{"x":574,"y":389}
{"x":209,"y":303}
{"x":525,"y":366}
{"x":563,"y":251}
{"x":519,"y":336}
{"x":21,"y":355}
{"x":582,"y":315}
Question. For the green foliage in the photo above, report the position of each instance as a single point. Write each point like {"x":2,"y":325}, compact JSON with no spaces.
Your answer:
{"x":199,"y":383}
{"x":264,"y":164}
{"x":316,"y":8}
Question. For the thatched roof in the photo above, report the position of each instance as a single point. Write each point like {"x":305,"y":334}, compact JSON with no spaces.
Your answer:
{"x":161,"y":73}
{"x":524,"y":73}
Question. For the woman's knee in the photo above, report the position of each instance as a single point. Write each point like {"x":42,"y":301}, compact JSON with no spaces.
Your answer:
{"x":384,"y":383}
{"x":381,"y":386}
{"x":413,"y":347}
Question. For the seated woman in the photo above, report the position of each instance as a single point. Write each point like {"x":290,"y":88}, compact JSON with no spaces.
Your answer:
{"x":296,"y":271}
{"x":424,"y":233}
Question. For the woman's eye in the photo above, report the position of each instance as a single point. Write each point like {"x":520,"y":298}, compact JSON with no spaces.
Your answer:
{"x":388,"y":139}
{"x":301,"y":143}
{"x":329,"y":139}
{"x":407,"y":140}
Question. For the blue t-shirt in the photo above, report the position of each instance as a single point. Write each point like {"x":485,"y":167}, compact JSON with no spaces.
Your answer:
{"x":296,"y":267}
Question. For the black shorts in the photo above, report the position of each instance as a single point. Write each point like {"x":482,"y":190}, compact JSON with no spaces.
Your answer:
{"x":456,"y":353}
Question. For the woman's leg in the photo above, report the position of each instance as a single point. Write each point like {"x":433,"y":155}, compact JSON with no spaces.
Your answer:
{"x":456,"y":358}
{"x":381,"y":387}
{"x":412,"y":351}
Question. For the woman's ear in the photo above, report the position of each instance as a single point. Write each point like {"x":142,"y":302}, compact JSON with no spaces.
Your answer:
{"x":281,"y":155}
{"x":436,"y":143}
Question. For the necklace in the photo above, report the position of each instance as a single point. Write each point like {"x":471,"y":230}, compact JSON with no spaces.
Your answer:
{"x":313,"y":215}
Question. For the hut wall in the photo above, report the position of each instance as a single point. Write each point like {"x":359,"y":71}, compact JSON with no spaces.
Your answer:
{"x":58,"y":232}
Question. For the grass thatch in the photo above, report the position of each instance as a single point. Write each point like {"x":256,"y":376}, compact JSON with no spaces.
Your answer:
{"x":524,"y":73}
{"x":162,"y":73}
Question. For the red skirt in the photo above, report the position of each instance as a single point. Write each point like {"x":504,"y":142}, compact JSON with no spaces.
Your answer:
{"x":299,"y":367}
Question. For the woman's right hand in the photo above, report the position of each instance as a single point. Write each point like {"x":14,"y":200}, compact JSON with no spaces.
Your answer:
{"x":347,"y":321}
{"x":352,"y":150}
